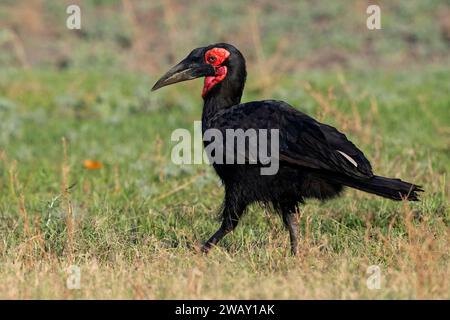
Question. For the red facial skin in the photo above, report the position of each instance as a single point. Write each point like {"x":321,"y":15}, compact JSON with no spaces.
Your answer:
{"x":215,"y":57}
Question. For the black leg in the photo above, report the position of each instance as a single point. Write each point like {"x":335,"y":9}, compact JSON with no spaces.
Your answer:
{"x":231,"y":215}
{"x":222,"y":232}
{"x":291,"y":223}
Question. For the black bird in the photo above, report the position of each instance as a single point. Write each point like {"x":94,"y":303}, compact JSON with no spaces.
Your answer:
{"x":315,"y":159}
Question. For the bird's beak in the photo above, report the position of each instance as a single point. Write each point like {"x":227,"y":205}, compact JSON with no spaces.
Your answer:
{"x":185,"y":70}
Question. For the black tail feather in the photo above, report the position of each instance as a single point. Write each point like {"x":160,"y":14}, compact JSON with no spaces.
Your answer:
{"x":390,"y":188}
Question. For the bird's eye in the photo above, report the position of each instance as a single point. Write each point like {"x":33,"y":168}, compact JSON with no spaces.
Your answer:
{"x":212,"y":59}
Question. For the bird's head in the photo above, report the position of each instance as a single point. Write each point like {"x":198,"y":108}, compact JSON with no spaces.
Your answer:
{"x":219,"y":63}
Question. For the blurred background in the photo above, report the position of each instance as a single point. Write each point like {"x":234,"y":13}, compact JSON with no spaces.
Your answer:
{"x":284,"y":36}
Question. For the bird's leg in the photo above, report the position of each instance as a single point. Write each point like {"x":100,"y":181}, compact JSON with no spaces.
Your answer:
{"x":291,"y":223}
{"x":228,"y":225}
{"x":232,"y":212}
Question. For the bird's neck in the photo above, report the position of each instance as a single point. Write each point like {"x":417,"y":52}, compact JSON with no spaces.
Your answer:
{"x":225,"y":95}
{"x":213,"y":104}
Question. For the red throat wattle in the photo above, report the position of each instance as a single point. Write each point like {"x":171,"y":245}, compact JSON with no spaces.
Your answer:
{"x":221,"y":73}
{"x":215,"y":57}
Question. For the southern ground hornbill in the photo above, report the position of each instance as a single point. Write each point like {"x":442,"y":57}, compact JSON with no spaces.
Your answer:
{"x":315,"y":159}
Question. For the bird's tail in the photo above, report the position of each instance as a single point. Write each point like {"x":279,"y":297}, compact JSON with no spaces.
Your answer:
{"x":390,"y":188}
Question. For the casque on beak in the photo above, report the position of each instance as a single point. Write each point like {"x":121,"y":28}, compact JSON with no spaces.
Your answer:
{"x":185,"y":70}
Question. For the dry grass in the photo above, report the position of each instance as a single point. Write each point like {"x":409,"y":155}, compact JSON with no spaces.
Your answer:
{"x":414,"y":267}
{"x":412,"y":253}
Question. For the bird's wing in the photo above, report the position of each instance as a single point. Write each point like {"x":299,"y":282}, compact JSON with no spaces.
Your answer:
{"x":303,"y":141}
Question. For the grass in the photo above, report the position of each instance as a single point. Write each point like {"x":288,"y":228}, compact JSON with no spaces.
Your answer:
{"x":134,"y":226}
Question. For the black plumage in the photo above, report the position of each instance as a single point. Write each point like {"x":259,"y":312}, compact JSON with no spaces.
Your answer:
{"x":315,"y":159}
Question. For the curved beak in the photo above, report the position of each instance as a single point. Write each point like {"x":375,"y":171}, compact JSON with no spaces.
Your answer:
{"x":185,"y":70}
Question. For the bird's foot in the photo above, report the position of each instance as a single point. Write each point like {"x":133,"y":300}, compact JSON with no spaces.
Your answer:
{"x":294,"y":249}
{"x":205,"y":248}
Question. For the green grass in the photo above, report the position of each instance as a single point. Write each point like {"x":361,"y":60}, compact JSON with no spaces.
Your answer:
{"x":139,"y":220}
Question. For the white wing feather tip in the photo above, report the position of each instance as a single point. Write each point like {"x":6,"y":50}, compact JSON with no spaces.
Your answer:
{"x":346,"y":156}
